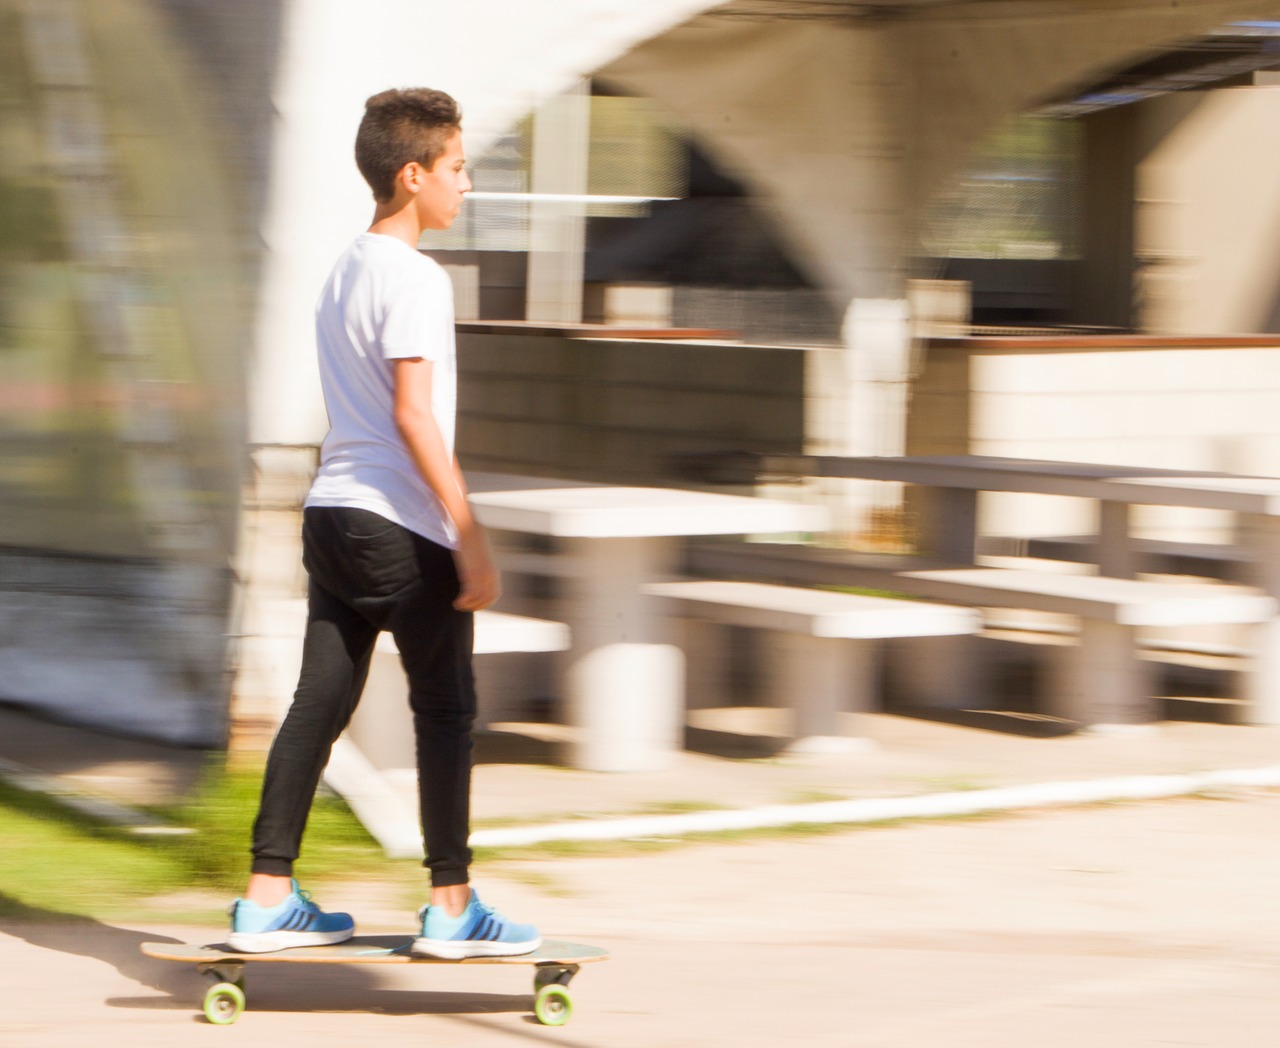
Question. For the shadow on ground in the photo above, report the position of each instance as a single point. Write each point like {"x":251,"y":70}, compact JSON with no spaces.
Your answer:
{"x":85,"y":937}
{"x":278,"y":987}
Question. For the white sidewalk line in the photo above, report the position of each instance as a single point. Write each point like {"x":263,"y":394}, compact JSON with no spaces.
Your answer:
{"x":937,"y":805}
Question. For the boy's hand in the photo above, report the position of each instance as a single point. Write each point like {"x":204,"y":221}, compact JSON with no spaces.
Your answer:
{"x":478,"y":574}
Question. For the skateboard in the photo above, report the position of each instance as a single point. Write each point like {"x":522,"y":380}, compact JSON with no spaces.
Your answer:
{"x":554,"y":963}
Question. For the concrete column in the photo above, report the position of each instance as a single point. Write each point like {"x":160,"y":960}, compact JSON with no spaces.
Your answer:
{"x":272,"y":595}
{"x":945,"y":672}
{"x":820,"y":678}
{"x":557,"y":228}
{"x":625,"y":679}
{"x":948,"y":523}
{"x":1101,"y":682}
{"x":708,"y":669}
{"x":858,"y":399}
{"x":1115,"y":553}
{"x":1108,"y":270}
{"x":1262,"y":682}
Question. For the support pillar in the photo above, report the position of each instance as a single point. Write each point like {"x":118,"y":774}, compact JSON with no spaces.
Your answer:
{"x":625,"y":679}
{"x":557,"y":228}
{"x":1101,"y":682}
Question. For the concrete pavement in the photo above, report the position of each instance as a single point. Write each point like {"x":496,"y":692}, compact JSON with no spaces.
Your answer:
{"x":1147,"y":923}
{"x":1124,"y":926}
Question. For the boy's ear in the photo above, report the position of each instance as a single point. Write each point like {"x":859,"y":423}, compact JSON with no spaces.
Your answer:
{"x":410,"y":176}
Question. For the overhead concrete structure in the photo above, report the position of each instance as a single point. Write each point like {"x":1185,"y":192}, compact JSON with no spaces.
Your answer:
{"x":843,"y":117}
{"x":845,"y":120}
{"x":224,"y":187}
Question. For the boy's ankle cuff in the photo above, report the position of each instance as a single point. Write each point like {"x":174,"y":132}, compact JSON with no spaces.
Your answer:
{"x":272,"y":867}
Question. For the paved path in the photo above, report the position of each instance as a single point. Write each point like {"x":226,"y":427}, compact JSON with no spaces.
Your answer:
{"x":1144,"y":924}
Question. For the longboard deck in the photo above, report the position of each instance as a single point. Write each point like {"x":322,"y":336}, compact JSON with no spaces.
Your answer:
{"x":368,"y":949}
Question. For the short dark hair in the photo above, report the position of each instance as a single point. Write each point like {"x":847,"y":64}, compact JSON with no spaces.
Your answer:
{"x":401,"y":126}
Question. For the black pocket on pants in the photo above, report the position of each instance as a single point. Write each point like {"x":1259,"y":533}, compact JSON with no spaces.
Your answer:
{"x":357,"y":554}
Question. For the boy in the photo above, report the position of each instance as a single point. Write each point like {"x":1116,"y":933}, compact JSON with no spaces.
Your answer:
{"x":389,"y":542}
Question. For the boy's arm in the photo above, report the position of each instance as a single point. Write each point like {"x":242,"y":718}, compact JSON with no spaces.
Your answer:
{"x":417,"y":425}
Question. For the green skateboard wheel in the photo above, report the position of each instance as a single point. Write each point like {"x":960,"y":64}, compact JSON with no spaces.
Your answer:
{"x":223,"y":1003}
{"x":552,"y":1005}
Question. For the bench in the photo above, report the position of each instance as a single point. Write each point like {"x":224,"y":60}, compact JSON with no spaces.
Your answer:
{"x":495,"y":631}
{"x":378,"y":750}
{"x":1102,"y":680}
{"x":821,"y":643}
{"x":1223,"y":561}
{"x":958,"y":683}
{"x":948,"y":523}
{"x":381,"y":726}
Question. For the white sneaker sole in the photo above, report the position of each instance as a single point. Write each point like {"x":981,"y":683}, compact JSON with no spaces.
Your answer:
{"x":270,"y":942}
{"x":450,"y":950}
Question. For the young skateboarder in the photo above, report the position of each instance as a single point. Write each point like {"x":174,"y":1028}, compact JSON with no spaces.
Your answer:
{"x":389,"y":543}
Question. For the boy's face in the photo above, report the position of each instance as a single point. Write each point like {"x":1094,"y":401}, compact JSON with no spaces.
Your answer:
{"x":440,"y":190}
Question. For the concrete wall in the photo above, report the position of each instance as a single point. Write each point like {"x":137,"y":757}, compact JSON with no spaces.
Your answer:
{"x":1133,"y":400}
{"x":623,"y":410}
{"x":1208,"y":212}
{"x":619,"y":410}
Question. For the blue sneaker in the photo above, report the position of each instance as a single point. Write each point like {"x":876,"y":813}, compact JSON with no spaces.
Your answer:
{"x":295,"y":922}
{"x":479,"y":931}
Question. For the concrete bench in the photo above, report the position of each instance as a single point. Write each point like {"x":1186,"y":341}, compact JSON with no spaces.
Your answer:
{"x":495,"y":631}
{"x":375,"y":758}
{"x":378,"y":746}
{"x":1101,"y":680}
{"x":1228,"y":563}
{"x":382,"y":727}
{"x":820,"y":643}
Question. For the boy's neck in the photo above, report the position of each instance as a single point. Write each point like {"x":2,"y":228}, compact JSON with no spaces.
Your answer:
{"x":397,"y":218}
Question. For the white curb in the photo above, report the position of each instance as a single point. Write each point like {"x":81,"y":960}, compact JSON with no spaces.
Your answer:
{"x":936,"y":805}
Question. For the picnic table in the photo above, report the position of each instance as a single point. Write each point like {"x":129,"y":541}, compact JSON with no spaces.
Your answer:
{"x":624,"y":680}
{"x":949,"y":530}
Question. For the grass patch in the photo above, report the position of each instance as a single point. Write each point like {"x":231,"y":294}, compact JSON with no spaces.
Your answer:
{"x":221,"y":815}
{"x":57,"y":863}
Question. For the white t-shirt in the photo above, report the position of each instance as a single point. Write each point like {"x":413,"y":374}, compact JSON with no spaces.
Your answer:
{"x":382,"y":302}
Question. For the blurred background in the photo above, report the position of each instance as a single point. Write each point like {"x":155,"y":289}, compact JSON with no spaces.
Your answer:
{"x":1042,"y":228}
